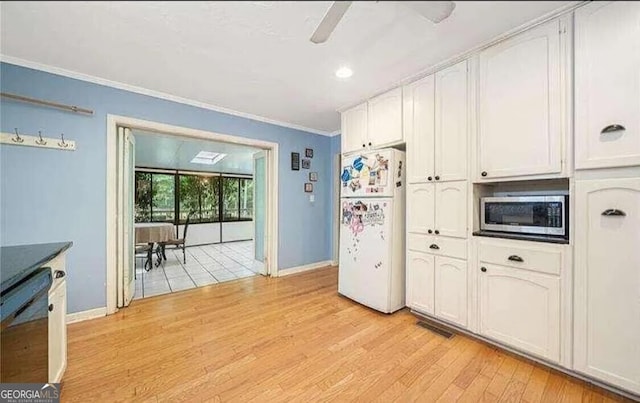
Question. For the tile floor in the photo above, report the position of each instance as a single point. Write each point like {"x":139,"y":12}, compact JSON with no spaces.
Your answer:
{"x":207,"y":264}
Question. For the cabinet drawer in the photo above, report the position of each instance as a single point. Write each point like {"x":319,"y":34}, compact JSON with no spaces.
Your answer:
{"x":435,"y":245}
{"x":524,"y":255}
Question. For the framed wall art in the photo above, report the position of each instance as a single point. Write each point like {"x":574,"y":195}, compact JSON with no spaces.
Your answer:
{"x":313,"y":176}
{"x":295,"y":161}
{"x":306,"y":164}
{"x":308,"y":187}
{"x":308,"y":152}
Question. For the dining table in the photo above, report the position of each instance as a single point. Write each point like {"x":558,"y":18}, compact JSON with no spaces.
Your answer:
{"x":152,"y":233}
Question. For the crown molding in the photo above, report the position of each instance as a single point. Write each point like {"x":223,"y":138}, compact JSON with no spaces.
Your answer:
{"x":152,"y":93}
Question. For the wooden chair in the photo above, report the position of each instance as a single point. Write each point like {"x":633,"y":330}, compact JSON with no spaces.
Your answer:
{"x":178,"y":243}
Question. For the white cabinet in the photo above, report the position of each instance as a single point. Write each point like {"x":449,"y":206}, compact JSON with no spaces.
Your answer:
{"x":420,"y":281}
{"x":385,"y":119}
{"x":438,"y":208}
{"x":520,"y":108}
{"x":451,"y":290}
{"x":520,"y":308}
{"x":57,"y":330}
{"x":437,"y":285}
{"x":419,"y":121}
{"x":607,"y":79}
{"x":451,"y":209}
{"x":607,"y":281}
{"x":451,"y":119}
{"x":421,"y":208}
{"x":354,"y":128}
{"x":436,"y":116}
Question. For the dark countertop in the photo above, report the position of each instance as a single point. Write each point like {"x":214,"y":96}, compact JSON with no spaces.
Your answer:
{"x":20,"y":261}
{"x":522,"y":237}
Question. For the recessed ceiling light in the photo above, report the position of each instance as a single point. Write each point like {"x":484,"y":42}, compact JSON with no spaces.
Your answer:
{"x":207,"y":158}
{"x":344,"y":72}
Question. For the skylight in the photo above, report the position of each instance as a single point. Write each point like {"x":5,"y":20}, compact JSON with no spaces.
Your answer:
{"x":207,"y":158}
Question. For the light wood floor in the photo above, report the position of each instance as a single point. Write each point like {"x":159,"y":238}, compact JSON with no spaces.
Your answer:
{"x":291,"y":339}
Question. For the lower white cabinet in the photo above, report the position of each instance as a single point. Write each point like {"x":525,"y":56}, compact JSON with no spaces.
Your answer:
{"x":451,"y":290}
{"x":57,"y":330}
{"x":607,"y":281}
{"x":437,"y":285}
{"x":521,"y":308}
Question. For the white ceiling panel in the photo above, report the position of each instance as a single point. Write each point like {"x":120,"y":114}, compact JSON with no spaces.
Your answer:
{"x":252,"y":57}
{"x":172,"y":152}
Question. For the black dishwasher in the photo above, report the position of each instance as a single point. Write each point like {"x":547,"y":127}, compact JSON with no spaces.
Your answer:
{"x":24,"y":329}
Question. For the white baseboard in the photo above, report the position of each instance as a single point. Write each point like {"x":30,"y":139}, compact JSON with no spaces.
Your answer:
{"x":86,"y":315}
{"x":306,"y":267}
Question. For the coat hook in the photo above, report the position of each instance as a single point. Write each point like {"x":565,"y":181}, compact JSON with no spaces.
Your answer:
{"x":40,"y":141}
{"x":62,"y":143}
{"x":17,"y":138}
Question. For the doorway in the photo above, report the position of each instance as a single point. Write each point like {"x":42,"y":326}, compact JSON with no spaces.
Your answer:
{"x":203,"y":251}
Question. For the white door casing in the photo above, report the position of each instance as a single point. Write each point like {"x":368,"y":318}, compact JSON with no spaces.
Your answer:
{"x":125,"y":216}
{"x":260,"y":187}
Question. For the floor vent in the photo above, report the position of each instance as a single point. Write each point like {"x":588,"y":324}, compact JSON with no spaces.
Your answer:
{"x":435,"y":329}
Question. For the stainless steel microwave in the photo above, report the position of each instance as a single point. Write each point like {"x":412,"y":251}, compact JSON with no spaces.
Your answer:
{"x":537,"y":215}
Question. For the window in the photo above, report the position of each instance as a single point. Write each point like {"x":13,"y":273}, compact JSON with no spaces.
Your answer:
{"x":199,"y":194}
{"x":246,"y":199}
{"x":162,"y":198}
{"x":210,"y":198}
{"x":230,"y":199}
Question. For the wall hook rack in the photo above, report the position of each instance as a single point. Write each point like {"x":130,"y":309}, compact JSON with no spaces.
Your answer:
{"x":18,"y":139}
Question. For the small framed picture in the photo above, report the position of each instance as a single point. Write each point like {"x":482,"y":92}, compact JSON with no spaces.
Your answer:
{"x":308,"y":152}
{"x":313,"y":176}
{"x":306,"y":164}
{"x":308,"y":187}
{"x":295,"y":161}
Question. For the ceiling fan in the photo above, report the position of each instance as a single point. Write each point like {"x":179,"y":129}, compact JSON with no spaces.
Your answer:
{"x":434,"y":11}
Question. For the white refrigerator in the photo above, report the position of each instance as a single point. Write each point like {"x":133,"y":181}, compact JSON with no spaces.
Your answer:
{"x":372,"y":217}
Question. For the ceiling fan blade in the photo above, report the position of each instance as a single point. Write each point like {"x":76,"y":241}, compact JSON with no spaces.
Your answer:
{"x":330,"y":21}
{"x":434,"y":11}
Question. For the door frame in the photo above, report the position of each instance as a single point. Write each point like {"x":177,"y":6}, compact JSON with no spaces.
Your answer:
{"x":113,"y":121}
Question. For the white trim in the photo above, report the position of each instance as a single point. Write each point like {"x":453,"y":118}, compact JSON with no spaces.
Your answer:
{"x":86,"y":315}
{"x":306,"y":267}
{"x":567,"y":8}
{"x":152,"y":93}
{"x":153,"y":127}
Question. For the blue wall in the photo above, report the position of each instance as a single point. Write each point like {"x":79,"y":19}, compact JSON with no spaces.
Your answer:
{"x":50,"y":195}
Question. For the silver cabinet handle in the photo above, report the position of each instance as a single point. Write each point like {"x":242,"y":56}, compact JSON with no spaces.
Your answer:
{"x":612,"y":128}
{"x":614,"y":212}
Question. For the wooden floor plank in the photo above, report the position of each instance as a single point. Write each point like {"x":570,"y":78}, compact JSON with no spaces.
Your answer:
{"x":291,"y":339}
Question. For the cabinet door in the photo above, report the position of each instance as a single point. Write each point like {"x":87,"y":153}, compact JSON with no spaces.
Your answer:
{"x":451,"y":209}
{"x":57,"y":332}
{"x":451,"y":290}
{"x":607,"y":281}
{"x":420,"y":208}
{"x":607,"y":68}
{"x":420,"y":281}
{"x":420,"y":125}
{"x":520,"y":109}
{"x":354,"y":128}
{"x":521,"y":309}
{"x":451,"y":123}
{"x":385,"y":118}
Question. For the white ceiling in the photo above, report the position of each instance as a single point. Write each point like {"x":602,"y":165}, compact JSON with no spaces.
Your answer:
{"x":171,"y":152}
{"x":253,"y":57}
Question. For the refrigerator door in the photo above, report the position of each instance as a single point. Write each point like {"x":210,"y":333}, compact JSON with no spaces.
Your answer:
{"x":370,"y":174}
{"x":365,"y":246}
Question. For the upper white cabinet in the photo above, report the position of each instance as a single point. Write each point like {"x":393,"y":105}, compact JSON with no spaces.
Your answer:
{"x":436,"y":109}
{"x":419,"y":121}
{"x":520,"y":105}
{"x":607,"y":281}
{"x":354,"y":128}
{"x":451,"y":123}
{"x":373,"y":124}
{"x":385,"y":119}
{"x":438,"y":208}
{"x":607,"y":79}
